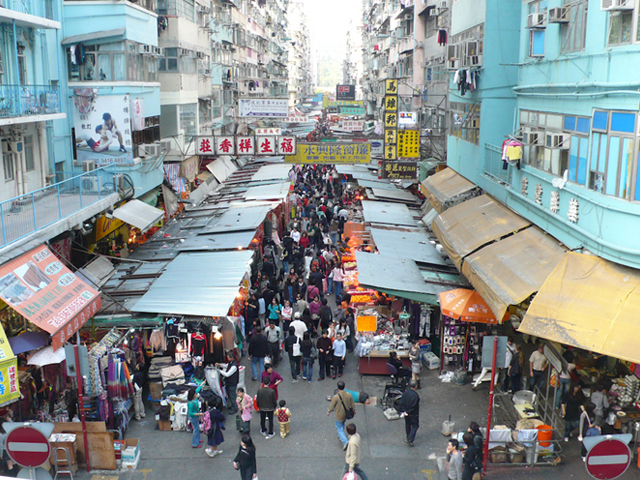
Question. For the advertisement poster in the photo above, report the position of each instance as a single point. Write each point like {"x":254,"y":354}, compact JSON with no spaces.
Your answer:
{"x":263,"y":107}
{"x":137,"y":114}
{"x":409,"y":143}
{"x":325,"y":153}
{"x":9,"y":386}
{"x":39,"y":287}
{"x":103,"y":130}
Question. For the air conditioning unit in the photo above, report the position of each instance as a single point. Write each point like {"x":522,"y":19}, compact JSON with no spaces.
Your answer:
{"x":537,"y":20}
{"x":557,"y":140}
{"x":617,"y":5}
{"x":532,"y":138}
{"x":474,"y":60}
{"x":425,"y":64}
{"x":453,"y":52}
{"x":88,"y":166}
{"x":471,"y":49}
{"x":149,"y":150}
{"x":200,"y":55}
{"x":559,"y":15}
{"x":90,"y":183}
{"x":183,"y":52}
{"x":203,"y":9}
{"x":439,"y":59}
{"x":145,"y":49}
{"x":419,"y":44}
{"x":11,"y":146}
{"x":158,"y":51}
{"x":443,"y":5}
{"x":165,"y":146}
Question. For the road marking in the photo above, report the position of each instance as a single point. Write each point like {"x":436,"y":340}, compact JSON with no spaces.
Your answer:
{"x":146,"y":472}
{"x":609,"y":460}
{"x":429,"y":474}
{"x":27,"y":447}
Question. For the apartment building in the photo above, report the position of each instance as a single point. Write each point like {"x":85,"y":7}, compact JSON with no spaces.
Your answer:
{"x":298,"y":44}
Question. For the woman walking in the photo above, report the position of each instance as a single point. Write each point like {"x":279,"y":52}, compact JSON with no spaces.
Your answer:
{"x":414,"y":356}
{"x":274,"y":311}
{"x":307,"y":359}
{"x":193,"y":412}
{"x":245,"y":460}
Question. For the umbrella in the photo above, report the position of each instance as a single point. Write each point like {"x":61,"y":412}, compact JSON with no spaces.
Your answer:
{"x":466,"y":305}
{"x":28,"y":341}
{"x":47,"y":356}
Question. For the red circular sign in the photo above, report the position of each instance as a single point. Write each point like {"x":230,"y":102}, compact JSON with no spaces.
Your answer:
{"x":608,"y":459}
{"x":28,"y":447}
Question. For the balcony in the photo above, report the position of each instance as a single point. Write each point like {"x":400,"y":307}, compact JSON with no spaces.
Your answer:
{"x":26,"y":214}
{"x":493,"y":165}
{"x":30,"y":103}
{"x":30,"y":13}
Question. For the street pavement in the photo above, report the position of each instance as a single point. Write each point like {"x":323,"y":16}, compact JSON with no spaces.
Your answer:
{"x":312,"y":450}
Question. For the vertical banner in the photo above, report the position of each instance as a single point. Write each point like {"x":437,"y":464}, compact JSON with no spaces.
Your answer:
{"x":391,"y":120}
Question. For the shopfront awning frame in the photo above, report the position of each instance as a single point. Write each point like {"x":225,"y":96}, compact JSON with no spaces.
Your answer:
{"x":445,"y":188}
{"x":139,"y":214}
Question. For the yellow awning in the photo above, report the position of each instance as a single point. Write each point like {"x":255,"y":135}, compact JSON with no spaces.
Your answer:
{"x":470,"y":225}
{"x":589,"y":303}
{"x":507,"y":272}
{"x":443,"y":187}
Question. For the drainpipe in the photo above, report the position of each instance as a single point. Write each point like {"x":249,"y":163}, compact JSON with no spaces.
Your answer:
{"x":42,"y":138}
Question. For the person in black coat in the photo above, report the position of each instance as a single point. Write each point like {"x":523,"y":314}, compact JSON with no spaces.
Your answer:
{"x":258,"y":349}
{"x":472,"y":460}
{"x":409,"y":405}
{"x":245,"y":460}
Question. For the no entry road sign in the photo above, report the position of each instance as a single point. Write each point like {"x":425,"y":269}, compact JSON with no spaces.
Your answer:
{"x":28,"y":447}
{"x":608,"y":459}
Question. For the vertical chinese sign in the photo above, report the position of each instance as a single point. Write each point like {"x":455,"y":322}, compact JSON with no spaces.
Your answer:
{"x":391,"y":120}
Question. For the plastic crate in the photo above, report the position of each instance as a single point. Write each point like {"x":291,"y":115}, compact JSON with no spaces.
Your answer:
{"x":430,"y":360}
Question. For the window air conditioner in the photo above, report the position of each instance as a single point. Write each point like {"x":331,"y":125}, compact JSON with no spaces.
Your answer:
{"x":561,"y":141}
{"x":183,"y":52}
{"x":89,"y":183}
{"x":145,"y":49}
{"x":474,"y":60}
{"x":203,"y":9}
{"x":158,"y":51}
{"x":165,"y":146}
{"x":617,"y":5}
{"x":149,"y":150}
{"x":88,"y":166}
{"x":559,"y":15}
{"x":537,"y":20}
{"x":452,"y":52}
{"x":199,"y":54}
{"x":442,"y":5}
{"x":531,"y":138}
{"x":424,"y":64}
{"x":471,"y":48}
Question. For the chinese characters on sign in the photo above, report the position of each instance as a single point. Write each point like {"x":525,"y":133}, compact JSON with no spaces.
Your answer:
{"x":266,"y":145}
{"x":286,"y":145}
{"x":409,"y":143}
{"x":353,"y":125}
{"x":263,"y":107}
{"x":351,"y":110}
{"x":334,"y":153}
{"x":392,"y":87}
{"x":390,"y":152}
{"x":204,"y":146}
{"x":390,"y":120}
{"x":391,"y":103}
{"x":294,"y":120}
{"x":225,"y":146}
{"x":399,"y":170}
{"x":346,"y":92}
{"x":268,"y":131}
{"x":246,"y":145}
{"x":390,"y":136}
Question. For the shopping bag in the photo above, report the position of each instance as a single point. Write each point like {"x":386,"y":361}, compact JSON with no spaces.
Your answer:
{"x":239,"y":423}
{"x":350,"y":476}
{"x":255,"y":403}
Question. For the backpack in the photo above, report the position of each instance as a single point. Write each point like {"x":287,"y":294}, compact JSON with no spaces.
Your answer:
{"x":206,"y":422}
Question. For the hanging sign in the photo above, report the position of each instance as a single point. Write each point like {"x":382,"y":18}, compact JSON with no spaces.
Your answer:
{"x":391,"y":87}
{"x":331,"y":153}
{"x":409,"y":143}
{"x":391,"y":103}
{"x":390,"y":120}
{"x":399,"y":170}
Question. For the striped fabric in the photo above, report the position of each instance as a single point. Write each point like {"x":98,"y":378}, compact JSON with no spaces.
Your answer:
{"x":172,"y":172}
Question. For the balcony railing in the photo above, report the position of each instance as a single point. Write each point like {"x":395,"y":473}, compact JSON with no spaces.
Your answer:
{"x":493,"y":164}
{"x":23,"y":215}
{"x":19,"y":100}
{"x":39,"y":8}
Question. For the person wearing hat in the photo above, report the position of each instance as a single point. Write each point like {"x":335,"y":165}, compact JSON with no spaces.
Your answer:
{"x":298,"y":325}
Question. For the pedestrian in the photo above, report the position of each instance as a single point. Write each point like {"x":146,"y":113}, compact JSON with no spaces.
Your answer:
{"x":325,"y":355}
{"x":274,"y":338}
{"x":262,"y":310}
{"x":245,"y":460}
{"x":600,"y":400}
{"x":275,"y":310}
{"x":267,"y":402}
{"x":345,"y":408}
{"x":139,"y":379}
{"x":474,"y":429}
{"x":287,"y":315}
{"x":214,"y":422}
{"x":537,"y":365}
{"x":338,"y":277}
{"x":258,"y":349}
{"x":193,"y":412}
{"x":339,"y":354}
{"x":292,"y":346}
{"x":472,"y":459}
{"x":275,"y":378}
{"x":515,"y":369}
{"x":571,"y":403}
{"x":409,"y":405}
{"x":244,"y":403}
{"x":298,"y":325}
{"x":455,"y":460}
{"x":565,"y":379}
{"x":416,"y":365}
{"x":352,"y":457}
{"x":231,"y":373}
{"x":284,"y":418}
{"x":307,"y":349}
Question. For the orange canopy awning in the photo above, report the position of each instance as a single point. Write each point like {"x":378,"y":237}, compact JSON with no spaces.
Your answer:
{"x":466,"y":305}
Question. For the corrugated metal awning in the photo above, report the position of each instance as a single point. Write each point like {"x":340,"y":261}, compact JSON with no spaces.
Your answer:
{"x":222,"y":168}
{"x":90,"y":38}
{"x":507,"y":272}
{"x":407,"y":243}
{"x":395,"y":195}
{"x":445,"y":187}
{"x":199,"y":284}
{"x":466,"y":227}
{"x":272,"y":172}
{"x":389,"y":213}
{"x":589,"y":303}
{"x":273,"y":191}
{"x":239,"y":217}
{"x":221,"y":241}
{"x":139,"y":214}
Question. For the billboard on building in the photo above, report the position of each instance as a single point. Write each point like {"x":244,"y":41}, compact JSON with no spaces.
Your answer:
{"x":345,"y":92}
{"x":263,"y":107}
{"x":103,"y":129}
{"x":331,"y":153}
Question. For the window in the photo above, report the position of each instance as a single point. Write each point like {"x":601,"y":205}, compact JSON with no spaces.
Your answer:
{"x":465,"y":121}
{"x":29,"y":160}
{"x":573,"y":34}
{"x":188,"y":115}
{"x":620,"y":25}
{"x":7,"y":164}
{"x":22,"y":69}
{"x":117,"y":61}
{"x":537,"y":36}
{"x":578,"y":152}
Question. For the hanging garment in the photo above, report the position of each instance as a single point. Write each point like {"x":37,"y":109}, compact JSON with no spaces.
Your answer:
{"x":198,"y":344}
{"x":213,"y":380}
{"x":442,"y":37}
{"x":157,"y":342}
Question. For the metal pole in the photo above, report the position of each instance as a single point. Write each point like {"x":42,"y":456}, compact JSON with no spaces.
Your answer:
{"x":81,"y":407}
{"x":485,"y":450}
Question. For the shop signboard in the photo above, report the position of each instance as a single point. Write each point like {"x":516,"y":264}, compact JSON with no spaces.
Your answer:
{"x":391,"y":103}
{"x":377,"y":148}
{"x":62,"y":247}
{"x":266,"y":145}
{"x":409,"y":143}
{"x":103,"y":129}
{"x":331,"y":153}
{"x":295,"y":120}
{"x":346,"y":92}
{"x":245,"y":145}
{"x":286,"y":145}
{"x":9,"y":386}
{"x":390,"y":136}
{"x":351,"y":110}
{"x":332,"y":109}
{"x":353,"y":125}
{"x":342,"y":103}
{"x":399,"y":170}
{"x":39,"y":287}
{"x":407,"y":118}
{"x":391,"y":87}
{"x":104,"y":226}
{"x":390,"y":152}
{"x":269,"y":131}
{"x":263,"y":107}
{"x":225,"y":145}
{"x":205,"y":146}
{"x":390,"y":120}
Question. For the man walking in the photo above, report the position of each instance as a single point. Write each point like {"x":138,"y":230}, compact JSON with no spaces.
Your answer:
{"x":352,"y":457}
{"x":455,"y":460}
{"x":292,"y":345}
{"x":410,"y":407}
{"x":274,"y":337}
{"x":258,"y":349}
{"x":537,"y":365}
{"x":342,"y":402}
{"x":325,"y":354}
{"x":267,"y":404}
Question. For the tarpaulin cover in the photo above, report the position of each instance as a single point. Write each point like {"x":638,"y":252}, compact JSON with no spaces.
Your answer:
{"x":589,"y":303}
{"x":39,"y":287}
{"x":466,"y":305}
{"x":507,"y":272}
{"x":468,"y":226}
{"x":139,"y":214}
{"x":445,"y":186}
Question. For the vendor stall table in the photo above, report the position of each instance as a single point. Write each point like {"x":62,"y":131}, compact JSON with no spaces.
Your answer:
{"x":526,"y":410}
{"x":376,"y":362}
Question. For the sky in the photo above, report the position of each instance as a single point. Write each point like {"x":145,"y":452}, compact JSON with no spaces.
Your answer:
{"x":329,"y":21}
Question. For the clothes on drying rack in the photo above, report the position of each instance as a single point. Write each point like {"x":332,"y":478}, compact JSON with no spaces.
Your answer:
{"x":511,"y":153}
{"x":442,"y":37}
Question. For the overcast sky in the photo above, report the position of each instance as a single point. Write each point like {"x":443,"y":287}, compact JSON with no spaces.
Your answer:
{"x":329,"y":21}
